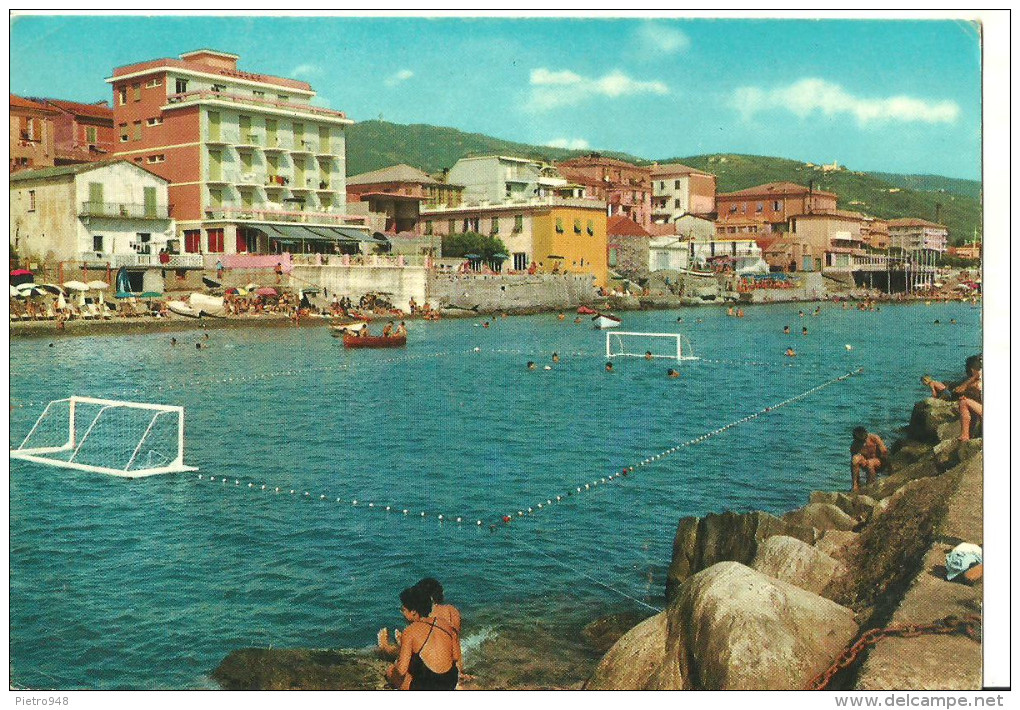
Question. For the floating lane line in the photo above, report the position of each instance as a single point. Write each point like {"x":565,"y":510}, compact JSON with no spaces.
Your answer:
{"x":522,"y":512}
{"x":507,"y":518}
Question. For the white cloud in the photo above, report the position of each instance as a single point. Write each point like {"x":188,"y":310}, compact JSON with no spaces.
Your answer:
{"x":303,"y":70}
{"x":402,"y":75}
{"x":568,"y":143}
{"x":808,"y":96}
{"x":657,"y":39}
{"x":551,"y":89}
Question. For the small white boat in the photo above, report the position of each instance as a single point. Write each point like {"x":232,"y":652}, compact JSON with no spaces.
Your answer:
{"x":212,"y":305}
{"x":603,"y":321}
{"x":182,"y":309}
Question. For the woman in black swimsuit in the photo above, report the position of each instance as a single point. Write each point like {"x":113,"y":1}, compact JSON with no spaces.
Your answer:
{"x":425,"y":646}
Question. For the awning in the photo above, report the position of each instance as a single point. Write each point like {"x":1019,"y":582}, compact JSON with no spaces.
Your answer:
{"x":291,"y":233}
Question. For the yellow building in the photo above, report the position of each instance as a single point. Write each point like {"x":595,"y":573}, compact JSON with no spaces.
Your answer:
{"x":546,"y":234}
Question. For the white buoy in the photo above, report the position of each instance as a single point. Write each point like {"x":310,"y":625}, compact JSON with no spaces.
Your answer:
{"x":848,"y":346}
{"x":354,"y":502}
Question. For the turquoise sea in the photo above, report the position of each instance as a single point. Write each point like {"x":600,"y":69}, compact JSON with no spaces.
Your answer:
{"x":149,"y":583}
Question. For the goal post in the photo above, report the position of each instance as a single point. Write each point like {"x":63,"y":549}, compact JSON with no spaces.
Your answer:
{"x":116,"y":437}
{"x":670,"y":346}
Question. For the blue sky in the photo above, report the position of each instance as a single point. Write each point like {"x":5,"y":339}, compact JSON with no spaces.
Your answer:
{"x":884,"y":95}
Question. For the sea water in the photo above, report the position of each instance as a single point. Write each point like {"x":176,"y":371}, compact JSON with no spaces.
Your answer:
{"x":150,"y":583}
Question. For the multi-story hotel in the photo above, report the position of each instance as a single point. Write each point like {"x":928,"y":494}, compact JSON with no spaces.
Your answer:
{"x":912,"y":234}
{"x":678,"y":190}
{"x":254,"y":167}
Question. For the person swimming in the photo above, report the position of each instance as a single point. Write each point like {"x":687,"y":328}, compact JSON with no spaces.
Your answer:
{"x":531,"y":364}
{"x":672,"y":373}
{"x":609,"y":367}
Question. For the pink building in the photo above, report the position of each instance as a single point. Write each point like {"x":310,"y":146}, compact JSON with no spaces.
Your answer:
{"x":624,"y":187}
{"x":32,"y":134}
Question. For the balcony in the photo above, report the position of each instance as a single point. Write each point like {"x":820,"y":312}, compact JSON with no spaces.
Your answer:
{"x":115,"y":261}
{"x":261,"y":214}
{"x":275,"y":145}
{"x":303,"y":147}
{"x":249,"y":139}
{"x":124,"y":210}
{"x":224,"y":178}
{"x":193,"y":97}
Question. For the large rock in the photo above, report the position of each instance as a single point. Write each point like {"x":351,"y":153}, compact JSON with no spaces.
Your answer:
{"x":821,"y":516}
{"x":634,"y":660}
{"x":855,"y":505}
{"x":885,"y":486}
{"x":299,"y":669}
{"x":796,"y":562}
{"x":926,"y":418}
{"x":906,"y":452}
{"x":739,"y":629}
{"x":701,"y":542}
{"x":834,"y":542}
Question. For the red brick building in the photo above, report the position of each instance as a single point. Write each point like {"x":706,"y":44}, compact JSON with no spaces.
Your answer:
{"x":626,"y":188}
{"x":32,"y":134}
{"x":773,"y":204}
{"x":83,"y":133}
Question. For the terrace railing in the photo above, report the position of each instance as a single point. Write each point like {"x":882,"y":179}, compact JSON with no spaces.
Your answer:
{"x":124,"y":210}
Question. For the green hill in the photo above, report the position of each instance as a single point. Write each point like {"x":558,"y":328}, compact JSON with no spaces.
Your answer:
{"x":376,"y":144}
{"x":857,"y":191}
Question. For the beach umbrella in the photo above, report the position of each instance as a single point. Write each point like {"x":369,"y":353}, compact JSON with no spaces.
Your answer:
{"x":20,"y":276}
{"x":150,"y":294}
{"x":501,"y":256}
{"x":76,"y":286}
{"x":266,"y":291}
{"x":51,"y":288}
{"x":97,"y":285}
{"x":15,"y":293}
{"x":29,"y":290}
{"x":472,"y":256}
{"x":124,"y":294}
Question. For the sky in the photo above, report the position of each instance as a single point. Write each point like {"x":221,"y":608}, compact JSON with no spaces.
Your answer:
{"x":888,"y":95}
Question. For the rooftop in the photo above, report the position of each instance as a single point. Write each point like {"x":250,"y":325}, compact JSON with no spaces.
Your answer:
{"x":393,"y":173}
{"x":19,"y":102}
{"x":594,"y":159}
{"x":97,"y":110}
{"x":775,"y":188}
{"x":77,"y":169}
{"x":675,"y":169}
{"x":620,"y":226}
{"x":914,"y":222}
{"x":194,"y":61}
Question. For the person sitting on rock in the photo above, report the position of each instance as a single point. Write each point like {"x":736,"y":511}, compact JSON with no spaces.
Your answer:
{"x":969,"y":393}
{"x":426,"y":644}
{"x":867,"y":451}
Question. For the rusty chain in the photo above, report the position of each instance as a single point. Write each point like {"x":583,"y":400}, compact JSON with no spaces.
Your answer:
{"x":969,"y":625}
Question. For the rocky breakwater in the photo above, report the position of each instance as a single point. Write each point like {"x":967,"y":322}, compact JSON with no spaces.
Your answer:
{"x":757,"y":601}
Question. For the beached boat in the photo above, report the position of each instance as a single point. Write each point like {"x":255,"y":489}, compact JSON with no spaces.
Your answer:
{"x":183,"y":309}
{"x":605,"y":320}
{"x":374,"y":341}
{"x":212,"y":305}
{"x":585,"y":311}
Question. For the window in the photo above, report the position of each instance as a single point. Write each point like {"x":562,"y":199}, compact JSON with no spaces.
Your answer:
{"x":182,"y":86}
{"x":215,"y":197}
{"x":154,"y":121}
{"x":613,"y":256}
{"x":138,"y":130}
{"x":192,"y":241}
{"x":577,"y":226}
{"x":733,"y":209}
{"x":760,"y":207}
{"x":214,"y":240}
{"x":495,"y":225}
{"x":31,"y":200}
{"x":97,"y":242}
{"x":518,"y":223}
{"x":451,"y":227}
{"x":219,"y":88}
{"x":143,"y":243}
{"x":136,"y":90}
{"x":258,"y":94}
{"x":777,"y":206}
{"x":676,"y":184}
{"x":161,"y":158}
{"x":91,"y":135}
{"x":591,"y":228}
{"x":662,"y":184}
{"x":676,"y":204}
{"x":122,"y":95}
{"x":283,"y":97}
{"x":520,"y":261}
{"x":559,"y":225}
{"x":152,"y":83}
{"x":428,"y":228}
{"x":123,"y":133}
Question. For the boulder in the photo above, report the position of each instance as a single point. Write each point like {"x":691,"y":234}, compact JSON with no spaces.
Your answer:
{"x":886,"y":486}
{"x":822,"y":516}
{"x":834,"y":542}
{"x":607,"y":630}
{"x":853,"y":504}
{"x":906,"y":452}
{"x":796,"y":562}
{"x":634,"y":659}
{"x":299,"y":669}
{"x":739,"y":629}
{"x":926,"y":418}
{"x":701,"y":542}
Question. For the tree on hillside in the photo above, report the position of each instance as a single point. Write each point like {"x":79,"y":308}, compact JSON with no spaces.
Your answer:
{"x":458,"y":245}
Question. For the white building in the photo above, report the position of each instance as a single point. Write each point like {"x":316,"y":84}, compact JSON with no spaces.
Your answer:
{"x":911,"y":234}
{"x":678,"y":190}
{"x":496,"y":179}
{"x":110,"y":213}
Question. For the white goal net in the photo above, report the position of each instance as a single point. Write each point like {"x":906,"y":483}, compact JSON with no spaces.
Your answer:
{"x":129,"y":439}
{"x":671,"y":346}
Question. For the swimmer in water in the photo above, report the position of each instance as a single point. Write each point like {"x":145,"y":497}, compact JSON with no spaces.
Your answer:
{"x":531,"y":365}
{"x":786,"y":329}
{"x":609,"y":367}
{"x":556,"y":357}
{"x":672,"y":373}
{"x":790,"y":352}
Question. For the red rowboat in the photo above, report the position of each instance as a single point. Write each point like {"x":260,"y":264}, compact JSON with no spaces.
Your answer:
{"x":374,"y":341}
{"x":585,"y":311}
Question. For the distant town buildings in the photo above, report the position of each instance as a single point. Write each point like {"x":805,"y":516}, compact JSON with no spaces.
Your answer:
{"x":678,"y":190}
{"x":770,"y":206}
{"x":628,"y":244}
{"x":33,"y":139}
{"x":494,"y":179}
{"x":911,"y":233}
{"x":625,"y":188}
{"x":82,"y":132}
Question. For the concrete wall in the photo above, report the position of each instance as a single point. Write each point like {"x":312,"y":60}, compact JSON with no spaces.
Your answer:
{"x":492,"y":293}
{"x":396,"y":284}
